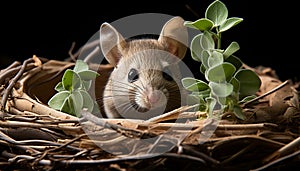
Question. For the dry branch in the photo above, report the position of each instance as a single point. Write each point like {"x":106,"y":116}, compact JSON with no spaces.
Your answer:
{"x":56,"y":140}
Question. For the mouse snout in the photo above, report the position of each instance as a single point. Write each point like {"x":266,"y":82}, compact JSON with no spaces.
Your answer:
{"x":154,"y":97}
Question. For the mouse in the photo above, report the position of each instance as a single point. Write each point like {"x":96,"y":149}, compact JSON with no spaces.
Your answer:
{"x":146,"y":78}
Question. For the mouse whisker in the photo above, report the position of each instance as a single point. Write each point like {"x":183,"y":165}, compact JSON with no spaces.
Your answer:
{"x":128,"y":90}
{"x":128,"y":108}
{"x":121,"y":91}
{"x":117,"y":88}
{"x":140,"y":89}
{"x":107,"y":97}
{"x":143,"y":87}
{"x":121,"y":105}
{"x":132,"y":85}
{"x":123,"y":108}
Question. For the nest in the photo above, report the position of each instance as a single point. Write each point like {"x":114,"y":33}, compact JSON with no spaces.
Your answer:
{"x":36,"y":137}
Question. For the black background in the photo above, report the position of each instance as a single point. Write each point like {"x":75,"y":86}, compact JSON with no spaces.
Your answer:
{"x":267,"y":36}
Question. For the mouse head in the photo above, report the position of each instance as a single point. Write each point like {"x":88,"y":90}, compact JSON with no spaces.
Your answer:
{"x":146,"y":73}
{"x":173,"y":38}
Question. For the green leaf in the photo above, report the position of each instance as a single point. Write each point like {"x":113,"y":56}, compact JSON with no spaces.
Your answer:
{"x":80,"y":66}
{"x":206,"y":41}
{"x":203,"y":94}
{"x":237,"y":110}
{"x":71,"y":80}
{"x":77,"y":100}
{"x":68,"y":106}
{"x":231,"y":49}
{"x":217,"y":12}
{"x":249,"y":82}
{"x":201,"y":24}
{"x":202,"y":69}
{"x":196,"y":49}
{"x":211,"y":103}
{"x":204,"y":58}
{"x":88,"y":102}
{"x":86,"y":84}
{"x":59,"y":87}
{"x":221,"y":89}
{"x":220,"y":73}
{"x":88,"y":75}
{"x":222,"y":100}
{"x":247,"y":98}
{"x":57,"y":101}
{"x":194,"y":99}
{"x":215,"y":59}
{"x":193,"y":84}
{"x":234,"y":61}
{"x":190,"y":24}
{"x":230,"y":22}
{"x":236,"y":84}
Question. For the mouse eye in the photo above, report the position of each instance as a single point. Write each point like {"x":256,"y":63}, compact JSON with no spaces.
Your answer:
{"x":133,"y":75}
{"x":167,"y":74}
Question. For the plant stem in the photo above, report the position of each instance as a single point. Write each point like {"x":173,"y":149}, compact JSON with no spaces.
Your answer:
{"x":219,"y":39}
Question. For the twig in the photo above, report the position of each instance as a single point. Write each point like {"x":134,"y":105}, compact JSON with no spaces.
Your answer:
{"x":8,"y":139}
{"x":9,"y":123}
{"x":239,"y":153}
{"x":206,"y":123}
{"x":91,"y":55}
{"x":21,"y":118}
{"x":112,"y":160}
{"x":277,"y":161}
{"x":81,"y":49}
{"x":14,"y":111}
{"x":57,"y":122}
{"x":90,"y":45}
{"x":254,"y":138}
{"x":48,"y":79}
{"x":8,"y":73}
{"x":160,"y":142}
{"x":37,"y":142}
{"x":48,"y":117}
{"x":13,"y":82}
{"x":196,"y":152}
{"x":246,"y":126}
{"x":73,"y":57}
{"x":68,"y":143}
{"x":55,"y":133}
{"x":265,"y":94}
{"x":198,"y":125}
{"x":42,"y":162}
{"x":41,"y":119}
{"x":57,"y":157}
{"x":39,"y":155}
{"x":174,"y":114}
{"x":13,"y":65}
{"x":120,"y":129}
{"x":25,"y":103}
{"x":284,"y":150}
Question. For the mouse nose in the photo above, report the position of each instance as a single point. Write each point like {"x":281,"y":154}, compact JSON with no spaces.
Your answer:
{"x":153,"y":95}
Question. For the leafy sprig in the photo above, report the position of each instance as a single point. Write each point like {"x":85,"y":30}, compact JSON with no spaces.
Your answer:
{"x":229,"y":84}
{"x":72,"y":92}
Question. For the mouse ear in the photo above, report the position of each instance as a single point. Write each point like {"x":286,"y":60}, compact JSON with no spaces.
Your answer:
{"x":174,"y":36}
{"x":112,"y":43}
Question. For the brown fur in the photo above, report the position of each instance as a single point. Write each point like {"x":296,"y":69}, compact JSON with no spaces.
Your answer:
{"x":149,"y":57}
